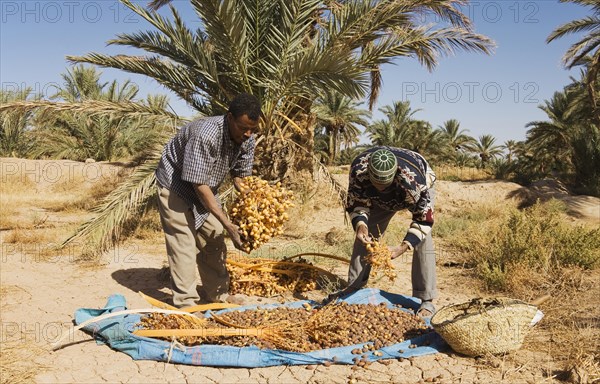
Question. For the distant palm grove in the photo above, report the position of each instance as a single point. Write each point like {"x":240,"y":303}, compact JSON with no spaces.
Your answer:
{"x":316,"y":67}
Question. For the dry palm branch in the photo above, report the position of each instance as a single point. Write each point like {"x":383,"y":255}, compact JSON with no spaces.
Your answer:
{"x":191,"y":309}
{"x":182,"y":316}
{"x":283,"y":335}
{"x":290,"y":335}
{"x":279,"y":334}
{"x":287,"y":335}
{"x":186,"y":319}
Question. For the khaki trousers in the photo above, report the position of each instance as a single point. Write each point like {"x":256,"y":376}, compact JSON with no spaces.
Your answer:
{"x":189,"y":250}
{"x":423,"y":275}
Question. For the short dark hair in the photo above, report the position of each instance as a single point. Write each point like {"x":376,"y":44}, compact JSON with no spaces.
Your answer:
{"x":245,"y":104}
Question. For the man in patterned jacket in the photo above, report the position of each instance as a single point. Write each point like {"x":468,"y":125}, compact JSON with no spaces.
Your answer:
{"x":383,"y":181}
{"x":194,"y":163}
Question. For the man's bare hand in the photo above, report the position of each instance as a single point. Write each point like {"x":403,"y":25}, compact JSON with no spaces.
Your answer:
{"x":362,"y":234}
{"x":398,"y":250}
{"x":234,"y":234}
{"x":240,"y":186}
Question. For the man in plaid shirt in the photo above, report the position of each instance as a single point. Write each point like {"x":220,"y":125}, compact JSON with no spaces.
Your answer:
{"x":383,"y":181}
{"x":194,"y":163}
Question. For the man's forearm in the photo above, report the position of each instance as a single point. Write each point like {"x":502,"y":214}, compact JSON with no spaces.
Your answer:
{"x":209,"y":201}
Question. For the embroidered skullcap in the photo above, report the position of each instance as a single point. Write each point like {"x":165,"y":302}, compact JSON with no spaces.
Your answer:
{"x":382,"y":166}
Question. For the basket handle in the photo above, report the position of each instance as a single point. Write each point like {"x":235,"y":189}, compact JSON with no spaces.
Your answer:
{"x":540,"y":300}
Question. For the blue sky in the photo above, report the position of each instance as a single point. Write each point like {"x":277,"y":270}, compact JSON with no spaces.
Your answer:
{"x":495,"y":94}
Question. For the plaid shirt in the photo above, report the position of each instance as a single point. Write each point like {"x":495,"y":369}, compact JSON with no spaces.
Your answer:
{"x":409,"y":190}
{"x":202,"y":152}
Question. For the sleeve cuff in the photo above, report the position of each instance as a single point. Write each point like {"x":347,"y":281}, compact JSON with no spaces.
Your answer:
{"x":412,"y":240}
{"x":241,"y":174}
{"x":359,"y":220}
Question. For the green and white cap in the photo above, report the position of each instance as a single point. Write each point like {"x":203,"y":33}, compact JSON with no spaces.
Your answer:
{"x":382,"y":166}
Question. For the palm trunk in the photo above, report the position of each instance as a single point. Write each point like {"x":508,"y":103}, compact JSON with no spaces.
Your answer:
{"x":331,"y":149}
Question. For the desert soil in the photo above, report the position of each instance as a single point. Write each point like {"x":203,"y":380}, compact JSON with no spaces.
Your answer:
{"x":41,"y":293}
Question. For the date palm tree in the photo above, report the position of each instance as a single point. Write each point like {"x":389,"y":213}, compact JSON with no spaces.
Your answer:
{"x":340,"y":117}
{"x":400,"y":128}
{"x":550,"y":140}
{"x":15,"y":133}
{"x":585,"y":51}
{"x":457,"y":138}
{"x":77,"y":136}
{"x":486,"y":149}
{"x":284,"y":52}
{"x":397,"y":128}
{"x":511,"y":147}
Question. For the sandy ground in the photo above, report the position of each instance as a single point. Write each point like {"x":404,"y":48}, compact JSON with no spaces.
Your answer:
{"x":40,"y":295}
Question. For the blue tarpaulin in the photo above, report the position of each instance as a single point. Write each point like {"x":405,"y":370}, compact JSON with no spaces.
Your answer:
{"x":117,"y":333}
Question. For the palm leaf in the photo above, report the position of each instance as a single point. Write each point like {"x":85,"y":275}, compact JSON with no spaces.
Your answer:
{"x":586,"y":24}
{"x":117,"y":209}
{"x":149,"y":113}
{"x":156,"y":4}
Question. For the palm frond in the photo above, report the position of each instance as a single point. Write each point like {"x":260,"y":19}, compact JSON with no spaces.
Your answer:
{"x":446,"y":10}
{"x":589,"y":23}
{"x":577,"y":53}
{"x":118,"y":208}
{"x":176,"y":77}
{"x":324,"y":70}
{"x":97,"y":108}
{"x":227,"y":26}
{"x":157,"y":4}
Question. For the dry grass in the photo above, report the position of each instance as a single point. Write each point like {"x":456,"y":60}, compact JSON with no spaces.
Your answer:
{"x":32,"y":236}
{"x":53,"y":185}
{"x":453,"y":173}
{"x":44,"y":237}
{"x":23,"y":192}
{"x":149,"y":227}
{"x":12,"y":190}
{"x":16,"y":184}
{"x":16,"y":351}
{"x":520,"y":254}
{"x":11,"y":217}
{"x":83,"y":196}
{"x":523,"y":246}
{"x":16,"y":362}
{"x":39,"y":211}
{"x":570,"y":330}
{"x":449,"y":225}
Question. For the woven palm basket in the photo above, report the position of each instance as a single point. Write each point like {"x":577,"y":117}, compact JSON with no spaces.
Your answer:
{"x":484,"y":326}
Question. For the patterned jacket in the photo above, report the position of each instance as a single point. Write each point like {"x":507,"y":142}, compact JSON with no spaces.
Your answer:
{"x":409,"y":190}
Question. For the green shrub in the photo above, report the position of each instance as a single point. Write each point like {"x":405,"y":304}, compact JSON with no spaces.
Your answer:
{"x":535,"y":241}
